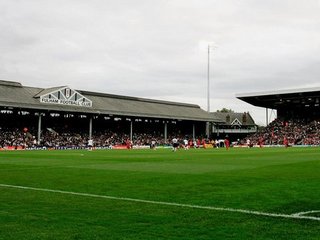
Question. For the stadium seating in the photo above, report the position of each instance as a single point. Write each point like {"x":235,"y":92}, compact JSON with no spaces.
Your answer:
{"x":297,"y":132}
{"x":61,"y":138}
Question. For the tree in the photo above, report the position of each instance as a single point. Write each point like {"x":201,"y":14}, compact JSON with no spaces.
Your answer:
{"x":225,"y":110}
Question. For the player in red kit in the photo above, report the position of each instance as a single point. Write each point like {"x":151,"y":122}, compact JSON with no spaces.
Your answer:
{"x":285,"y":142}
{"x":227,"y":143}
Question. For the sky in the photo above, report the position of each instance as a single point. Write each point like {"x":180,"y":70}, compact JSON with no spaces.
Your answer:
{"x":158,"y":48}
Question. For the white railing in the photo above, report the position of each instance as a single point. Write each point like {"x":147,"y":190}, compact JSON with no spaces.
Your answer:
{"x":226,"y":130}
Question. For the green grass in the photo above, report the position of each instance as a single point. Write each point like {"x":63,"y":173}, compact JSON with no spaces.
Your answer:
{"x":277,"y":180}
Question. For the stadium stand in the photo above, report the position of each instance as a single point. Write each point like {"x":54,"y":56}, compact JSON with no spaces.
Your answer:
{"x":298,"y":117}
{"x":63,"y":117}
{"x":295,"y":132}
{"x":235,"y":125}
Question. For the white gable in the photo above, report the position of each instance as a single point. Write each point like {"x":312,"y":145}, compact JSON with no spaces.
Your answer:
{"x":236,"y":122}
{"x":66,"y":96}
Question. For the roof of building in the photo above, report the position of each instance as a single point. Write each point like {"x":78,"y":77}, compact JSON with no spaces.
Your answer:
{"x":276,"y":99}
{"x":13,"y":94}
{"x":234,"y":118}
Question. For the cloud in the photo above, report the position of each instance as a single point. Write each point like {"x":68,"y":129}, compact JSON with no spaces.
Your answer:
{"x":151,"y":48}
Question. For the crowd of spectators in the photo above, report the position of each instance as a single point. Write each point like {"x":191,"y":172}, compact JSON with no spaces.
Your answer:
{"x":60,"y":138}
{"x":293,"y":132}
{"x":104,"y":139}
{"x":16,"y":137}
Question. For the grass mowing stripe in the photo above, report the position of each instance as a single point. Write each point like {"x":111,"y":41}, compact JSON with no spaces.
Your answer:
{"x":292,"y":216}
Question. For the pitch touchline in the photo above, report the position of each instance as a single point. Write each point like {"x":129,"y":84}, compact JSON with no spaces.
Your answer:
{"x":166,"y":203}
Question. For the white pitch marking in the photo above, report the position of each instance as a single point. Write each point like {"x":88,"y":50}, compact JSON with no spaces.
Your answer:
{"x":304,"y":213}
{"x":167,"y":203}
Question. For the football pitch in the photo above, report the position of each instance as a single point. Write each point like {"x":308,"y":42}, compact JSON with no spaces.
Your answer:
{"x":268,"y":193}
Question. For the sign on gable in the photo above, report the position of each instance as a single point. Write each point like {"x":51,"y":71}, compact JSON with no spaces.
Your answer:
{"x":66,"y":96}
